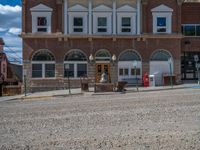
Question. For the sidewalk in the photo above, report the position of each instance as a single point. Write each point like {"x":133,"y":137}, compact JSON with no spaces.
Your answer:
{"x":77,"y":91}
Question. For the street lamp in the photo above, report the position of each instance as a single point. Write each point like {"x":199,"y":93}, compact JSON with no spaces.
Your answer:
{"x":25,"y":82}
{"x":67,"y":69}
{"x":170,"y":69}
{"x":114,"y":58}
{"x":135,"y":72}
{"x":91,"y":59}
{"x":196,"y":59}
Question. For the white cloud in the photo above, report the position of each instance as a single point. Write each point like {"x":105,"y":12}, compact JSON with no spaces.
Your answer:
{"x":3,"y":29}
{"x":10,"y":27}
{"x":15,"y":31}
{"x":9,"y":9}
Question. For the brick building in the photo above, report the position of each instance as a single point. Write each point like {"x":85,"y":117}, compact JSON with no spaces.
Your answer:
{"x":78,"y":38}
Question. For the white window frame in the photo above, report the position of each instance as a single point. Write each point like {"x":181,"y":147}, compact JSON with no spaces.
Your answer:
{"x":107,"y":15}
{"x":43,"y":63}
{"x":168,"y":16}
{"x":75,"y":63}
{"x":195,"y":25}
{"x":132,"y":16}
{"x":73,"y":15}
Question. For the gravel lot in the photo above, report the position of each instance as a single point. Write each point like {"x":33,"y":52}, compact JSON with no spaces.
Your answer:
{"x":152,"y":120}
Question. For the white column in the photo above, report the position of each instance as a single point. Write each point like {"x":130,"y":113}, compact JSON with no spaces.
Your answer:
{"x":65,"y":17}
{"x":114,"y":24}
{"x":90,"y":17}
{"x":138,"y":17}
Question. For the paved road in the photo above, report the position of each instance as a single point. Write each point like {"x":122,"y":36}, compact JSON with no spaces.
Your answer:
{"x":151,"y":120}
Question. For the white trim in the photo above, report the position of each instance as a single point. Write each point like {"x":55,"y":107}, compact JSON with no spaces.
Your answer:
{"x":133,"y":23}
{"x":83,"y":15}
{"x":78,"y":8}
{"x":43,"y":63}
{"x":90,"y":17}
{"x":162,"y":11}
{"x":65,"y":17}
{"x":139,"y":17}
{"x":114,"y":17}
{"x":126,"y":8}
{"x":102,"y":8}
{"x":41,"y":7}
{"x":41,"y":11}
{"x":107,"y":15}
{"x":162,"y":8}
{"x":75,"y":63}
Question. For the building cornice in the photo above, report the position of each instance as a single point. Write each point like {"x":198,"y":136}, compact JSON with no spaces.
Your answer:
{"x":61,"y":36}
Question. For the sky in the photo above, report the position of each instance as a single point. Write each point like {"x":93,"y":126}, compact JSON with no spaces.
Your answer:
{"x":10,"y":28}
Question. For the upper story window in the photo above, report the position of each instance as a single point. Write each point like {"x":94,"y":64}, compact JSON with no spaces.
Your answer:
{"x":78,"y":19}
{"x":126,"y":20}
{"x":191,"y":29}
{"x":162,"y":19}
{"x":102,"y":24}
{"x":41,"y":18}
{"x":102,"y":20}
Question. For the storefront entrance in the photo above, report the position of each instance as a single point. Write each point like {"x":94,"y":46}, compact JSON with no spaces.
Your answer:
{"x":188,"y":66}
{"x":100,"y":69}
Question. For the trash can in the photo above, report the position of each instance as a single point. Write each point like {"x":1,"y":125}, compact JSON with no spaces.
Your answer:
{"x":152,"y":81}
{"x":84,"y":87}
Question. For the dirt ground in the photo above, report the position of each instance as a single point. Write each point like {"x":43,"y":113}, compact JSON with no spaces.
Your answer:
{"x":143,"y":121}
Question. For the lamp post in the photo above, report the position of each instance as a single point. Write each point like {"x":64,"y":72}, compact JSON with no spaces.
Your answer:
{"x":135,"y":72}
{"x":170,"y":69}
{"x":25,"y":82}
{"x":114,"y":58}
{"x":67,"y":69}
{"x":196,"y":59}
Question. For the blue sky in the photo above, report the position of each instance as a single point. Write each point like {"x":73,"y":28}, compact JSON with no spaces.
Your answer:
{"x":10,"y":28}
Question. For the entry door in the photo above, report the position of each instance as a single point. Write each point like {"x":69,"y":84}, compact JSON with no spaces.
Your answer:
{"x":100,"y":69}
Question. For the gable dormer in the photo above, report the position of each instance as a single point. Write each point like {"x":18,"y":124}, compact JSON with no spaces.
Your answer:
{"x":162,"y":19}
{"x":102,"y":8}
{"x":41,"y":18}
{"x":126,"y":8}
{"x":162,"y":8}
{"x":78,"y":8}
{"x":41,"y":7}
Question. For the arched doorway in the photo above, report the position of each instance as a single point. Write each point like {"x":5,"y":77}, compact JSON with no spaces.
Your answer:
{"x":159,"y":65}
{"x":102,"y":59}
{"x":126,"y":69}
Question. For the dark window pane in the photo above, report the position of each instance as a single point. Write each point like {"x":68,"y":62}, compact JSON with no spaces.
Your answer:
{"x":49,"y":70}
{"x":161,"y":21}
{"x":36,"y":70}
{"x":78,"y":21}
{"x":78,"y":29}
{"x":41,"y":21}
{"x":189,"y":30}
{"x":69,"y":71}
{"x":126,"y":30}
{"x":198,"y":30}
{"x":161,"y":30}
{"x":102,"y":30}
{"x":102,"y":21}
{"x":126,"y":22}
{"x":133,"y":73}
{"x":42,"y":29}
{"x":121,"y":72}
{"x":126,"y":72}
{"x":81,"y":70}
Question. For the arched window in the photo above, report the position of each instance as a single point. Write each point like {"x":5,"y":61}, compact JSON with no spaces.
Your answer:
{"x":129,"y":66}
{"x":75,"y":64}
{"x":160,"y":56}
{"x":43,"y":64}
{"x":103,"y":55}
{"x":129,"y":56}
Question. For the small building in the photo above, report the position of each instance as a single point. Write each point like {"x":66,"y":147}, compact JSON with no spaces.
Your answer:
{"x":10,"y":74}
